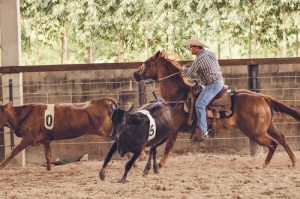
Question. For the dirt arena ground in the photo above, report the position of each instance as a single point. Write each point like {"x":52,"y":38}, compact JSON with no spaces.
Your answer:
{"x":190,"y":175}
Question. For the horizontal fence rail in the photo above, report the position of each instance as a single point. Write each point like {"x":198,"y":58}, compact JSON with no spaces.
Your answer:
{"x":134,"y":65}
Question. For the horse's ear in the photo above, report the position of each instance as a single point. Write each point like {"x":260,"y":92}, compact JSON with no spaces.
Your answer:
{"x":157,"y":54}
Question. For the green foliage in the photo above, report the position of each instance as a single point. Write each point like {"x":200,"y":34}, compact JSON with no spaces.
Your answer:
{"x":72,"y":31}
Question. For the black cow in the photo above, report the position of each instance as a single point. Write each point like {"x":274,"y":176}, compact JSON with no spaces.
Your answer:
{"x":133,"y":131}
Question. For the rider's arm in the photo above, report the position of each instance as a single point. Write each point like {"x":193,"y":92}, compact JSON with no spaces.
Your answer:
{"x":189,"y":70}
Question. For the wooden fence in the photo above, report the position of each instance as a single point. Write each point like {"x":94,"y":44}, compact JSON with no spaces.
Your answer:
{"x":253,"y":66}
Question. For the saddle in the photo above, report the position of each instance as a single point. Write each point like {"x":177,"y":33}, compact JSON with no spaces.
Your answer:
{"x":220,"y":107}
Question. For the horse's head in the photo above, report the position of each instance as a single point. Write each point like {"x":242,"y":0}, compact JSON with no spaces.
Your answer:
{"x":118,"y":119}
{"x":148,"y":70}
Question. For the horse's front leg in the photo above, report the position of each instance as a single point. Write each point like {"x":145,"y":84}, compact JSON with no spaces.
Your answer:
{"x":128,"y":167}
{"x":108,"y":157}
{"x":169,"y":145}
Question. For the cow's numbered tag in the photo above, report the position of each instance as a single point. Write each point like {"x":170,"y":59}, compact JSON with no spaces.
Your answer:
{"x":152,"y":126}
{"x":49,"y":116}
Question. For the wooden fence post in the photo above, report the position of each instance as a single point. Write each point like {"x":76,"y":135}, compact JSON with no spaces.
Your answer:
{"x":142,"y":93}
{"x":10,"y":95}
{"x":253,"y":85}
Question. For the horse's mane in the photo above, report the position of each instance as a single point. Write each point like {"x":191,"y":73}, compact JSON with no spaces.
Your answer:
{"x":177,"y":66}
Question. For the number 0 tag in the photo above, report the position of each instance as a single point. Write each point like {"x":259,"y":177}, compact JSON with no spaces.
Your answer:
{"x":49,"y":116}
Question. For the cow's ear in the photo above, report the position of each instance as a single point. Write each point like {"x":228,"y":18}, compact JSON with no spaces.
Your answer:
{"x":130,"y":110}
{"x":9,"y":105}
{"x":117,"y":115}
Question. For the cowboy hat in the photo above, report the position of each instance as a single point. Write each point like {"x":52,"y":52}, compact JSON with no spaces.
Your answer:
{"x":195,"y":41}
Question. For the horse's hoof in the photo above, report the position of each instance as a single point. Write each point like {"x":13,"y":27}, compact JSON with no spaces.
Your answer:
{"x":123,"y":181}
{"x":161,"y":165}
{"x":162,"y":161}
{"x":294,"y":163}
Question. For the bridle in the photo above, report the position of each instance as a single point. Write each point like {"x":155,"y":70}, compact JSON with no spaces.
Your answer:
{"x":152,"y":63}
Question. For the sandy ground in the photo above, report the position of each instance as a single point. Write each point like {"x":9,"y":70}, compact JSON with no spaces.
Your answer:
{"x":190,"y":175}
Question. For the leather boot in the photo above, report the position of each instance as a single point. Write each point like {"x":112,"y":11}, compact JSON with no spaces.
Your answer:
{"x":198,"y":135}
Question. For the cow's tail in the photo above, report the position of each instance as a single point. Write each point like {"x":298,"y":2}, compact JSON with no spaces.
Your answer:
{"x":278,"y":106}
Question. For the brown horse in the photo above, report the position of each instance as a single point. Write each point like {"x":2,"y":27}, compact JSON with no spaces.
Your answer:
{"x":253,"y":112}
{"x":36,"y":126}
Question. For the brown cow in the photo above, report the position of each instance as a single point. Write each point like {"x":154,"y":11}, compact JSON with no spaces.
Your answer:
{"x":70,"y":120}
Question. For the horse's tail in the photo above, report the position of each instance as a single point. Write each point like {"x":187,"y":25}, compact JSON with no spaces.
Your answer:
{"x":283,"y":108}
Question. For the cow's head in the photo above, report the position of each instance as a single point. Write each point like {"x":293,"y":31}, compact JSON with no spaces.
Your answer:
{"x":5,"y":110}
{"x":118,"y":118}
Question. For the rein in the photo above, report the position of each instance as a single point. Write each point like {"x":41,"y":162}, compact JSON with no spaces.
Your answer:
{"x":179,"y":101}
{"x":171,"y":102}
{"x":163,"y":78}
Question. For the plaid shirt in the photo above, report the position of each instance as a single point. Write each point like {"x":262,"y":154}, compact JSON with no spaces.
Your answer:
{"x":206,"y":66}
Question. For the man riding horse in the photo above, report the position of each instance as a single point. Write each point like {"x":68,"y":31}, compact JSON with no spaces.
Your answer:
{"x":209,"y":73}
{"x":252,"y":113}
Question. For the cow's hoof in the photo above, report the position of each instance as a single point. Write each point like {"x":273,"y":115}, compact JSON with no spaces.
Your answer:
{"x":102,"y":175}
{"x":146,"y":172}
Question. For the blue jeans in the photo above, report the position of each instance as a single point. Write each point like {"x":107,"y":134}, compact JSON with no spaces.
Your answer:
{"x":206,"y":95}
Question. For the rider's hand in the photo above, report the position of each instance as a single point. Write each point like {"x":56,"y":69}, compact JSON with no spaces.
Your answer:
{"x":187,"y":65}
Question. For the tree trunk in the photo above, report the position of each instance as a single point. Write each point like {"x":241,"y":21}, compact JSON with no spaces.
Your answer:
{"x":254,"y":38}
{"x":118,"y":50}
{"x":250,"y":46}
{"x":229,"y":47}
{"x":118,"y":37}
{"x":90,"y":53}
{"x":62,"y":53}
{"x":284,"y":53}
{"x":297,"y":42}
{"x":252,"y":32}
{"x":37,"y":46}
{"x":29,"y":51}
{"x":146,"y":48}
{"x":219,"y":46}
